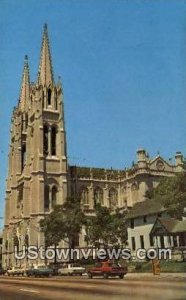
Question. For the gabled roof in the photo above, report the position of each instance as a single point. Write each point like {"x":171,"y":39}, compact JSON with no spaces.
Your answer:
{"x":147,"y":207}
{"x":159,"y":157}
{"x":169,"y":225}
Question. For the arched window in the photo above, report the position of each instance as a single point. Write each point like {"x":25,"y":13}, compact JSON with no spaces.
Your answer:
{"x":45,"y":140}
{"x":53,"y":140}
{"x":46,"y":198}
{"x":26,"y":121}
{"x":16,"y":242}
{"x":84,"y":196}
{"x":23,"y":156}
{"x":43,"y":99}
{"x":98,"y":196}
{"x":54,"y":196}
{"x":27,"y":240}
{"x":49,"y":94}
{"x":113,"y":198}
{"x":55,"y":101}
{"x":20,"y":195}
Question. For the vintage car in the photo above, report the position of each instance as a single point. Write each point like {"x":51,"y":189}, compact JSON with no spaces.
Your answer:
{"x":71,"y":269}
{"x":15,"y":271}
{"x":107,"y":269}
{"x":39,"y":271}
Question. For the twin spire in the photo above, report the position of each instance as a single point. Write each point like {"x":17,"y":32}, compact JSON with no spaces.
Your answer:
{"x":45,"y":73}
{"x":25,"y":87}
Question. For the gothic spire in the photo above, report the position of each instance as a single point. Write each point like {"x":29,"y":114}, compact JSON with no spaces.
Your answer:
{"x":45,"y":74}
{"x":25,"y":86}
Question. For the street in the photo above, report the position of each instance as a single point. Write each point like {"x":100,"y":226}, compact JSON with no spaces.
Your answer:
{"x":81,"y":288}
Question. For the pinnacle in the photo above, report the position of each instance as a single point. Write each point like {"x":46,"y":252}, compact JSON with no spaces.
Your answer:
{"x":25,"y":86}
{"x":45,"y":73}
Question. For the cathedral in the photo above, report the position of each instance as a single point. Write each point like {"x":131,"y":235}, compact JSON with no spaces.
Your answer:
{"x":39,"y":174}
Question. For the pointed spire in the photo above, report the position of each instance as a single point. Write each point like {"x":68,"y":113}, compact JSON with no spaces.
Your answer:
{"x":45,"y":74}
{"x":25,"y":87}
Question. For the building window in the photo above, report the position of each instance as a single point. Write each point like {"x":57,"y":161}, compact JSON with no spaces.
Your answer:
{"x":16,"y":242}
{"x":43,"y":99}
{"x":55,"y":101}
{"x":133,"y":243}
{"x":53,"y":140}
{"x":26,"y":121}
{"x":175,"y":243}
{"x":49,"y":94}
{"x":45,"y":140}
{"x":26,"y":240}
{"x":46,"y":198}
{"x":142,"y":241}
{"x":20,"y":196}
{"x":54,"y":196}
{"x":23,"y":156}
{"x":132,"y":223}
{"x":113,"y":198}
{"x":145,"y":219}
{"x":162,"y":243}
{"x":151,"y":240}
{"x":98,"y":196}
{"x":84,"y":196}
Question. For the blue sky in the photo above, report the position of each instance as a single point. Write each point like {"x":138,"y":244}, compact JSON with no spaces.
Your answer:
{"x":123,"y":68}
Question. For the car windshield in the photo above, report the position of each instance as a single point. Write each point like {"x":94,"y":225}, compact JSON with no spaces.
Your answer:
{"x":114,"y":265}
{"x":76,"y":265}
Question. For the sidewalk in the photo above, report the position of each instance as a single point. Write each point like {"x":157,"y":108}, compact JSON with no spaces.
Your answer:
{"x":162,"y":275}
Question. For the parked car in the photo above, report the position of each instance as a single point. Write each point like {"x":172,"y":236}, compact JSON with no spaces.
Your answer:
{"x":15,"y":271}
{"x":39,"y":271}
{"x":71,"y":269}
{"x":54,"y":268}
{"x":2,"y":271}
{"x":107,"y":269}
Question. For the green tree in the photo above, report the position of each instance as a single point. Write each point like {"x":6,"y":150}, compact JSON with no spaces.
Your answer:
{"x":63,"y":223}
{"x":106,"y":228}
{"x":171,"y":192}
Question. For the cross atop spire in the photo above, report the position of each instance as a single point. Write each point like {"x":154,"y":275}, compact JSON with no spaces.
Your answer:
{"x":45,"y":74}
{"x":25,"y":86}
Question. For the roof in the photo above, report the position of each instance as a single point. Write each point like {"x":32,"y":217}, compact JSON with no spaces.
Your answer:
{"x":171,"y":225}
{"x":147,"y":207}
{"x":168,"y":223}
{"x":180,"y":226}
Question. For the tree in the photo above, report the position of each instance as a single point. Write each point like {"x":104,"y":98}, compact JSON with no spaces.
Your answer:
{"x":106,"y":228}
{"x":63,"y":223}
{"x":171,"y":192}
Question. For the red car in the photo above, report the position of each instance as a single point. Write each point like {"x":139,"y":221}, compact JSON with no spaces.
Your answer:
{"x":106,"y":269}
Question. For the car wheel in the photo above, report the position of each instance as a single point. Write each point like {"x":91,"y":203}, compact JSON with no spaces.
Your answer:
{"x":121,"y":276}
{"x":90,"y":275}
{"x":105,"y":276}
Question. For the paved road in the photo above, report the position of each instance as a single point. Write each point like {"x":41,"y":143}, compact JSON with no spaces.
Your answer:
{"x":79,"y":288}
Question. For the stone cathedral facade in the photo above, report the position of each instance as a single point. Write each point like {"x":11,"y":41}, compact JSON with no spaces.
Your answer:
{"x":39,"y":176}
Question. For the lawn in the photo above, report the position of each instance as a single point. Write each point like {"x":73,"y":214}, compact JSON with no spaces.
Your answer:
{"x":165,"y":266}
